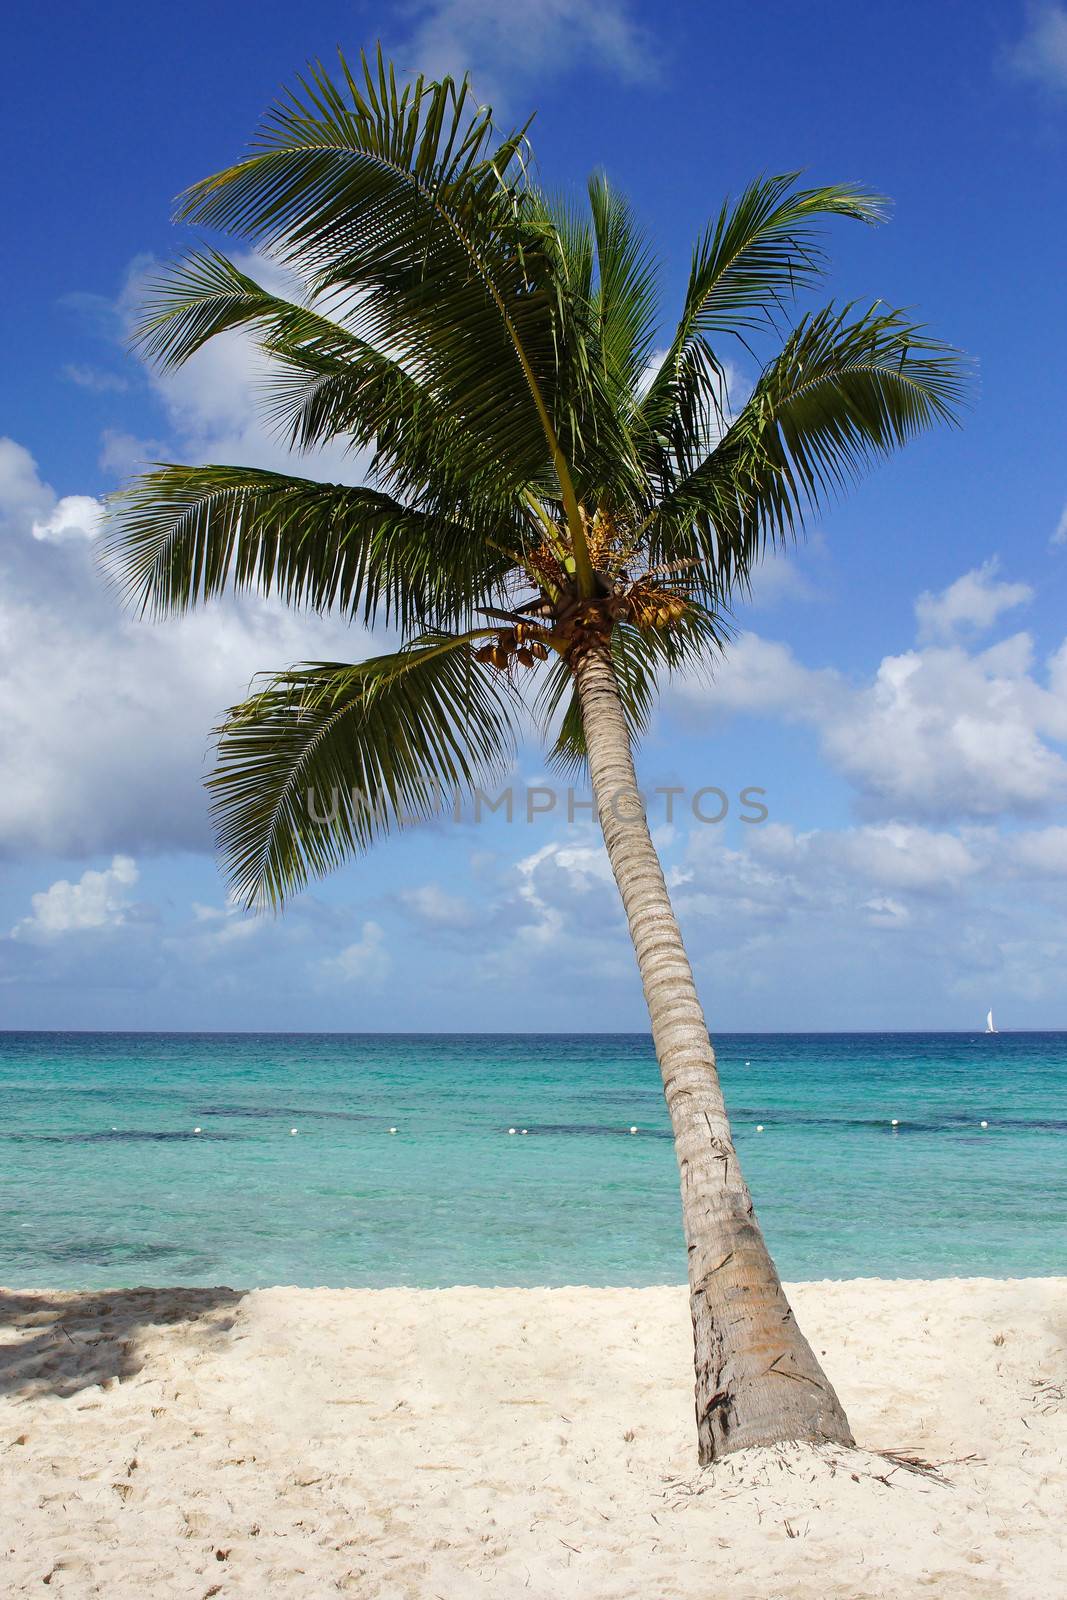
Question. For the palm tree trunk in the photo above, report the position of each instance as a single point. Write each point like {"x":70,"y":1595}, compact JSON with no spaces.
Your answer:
{"x":757,"y":1379}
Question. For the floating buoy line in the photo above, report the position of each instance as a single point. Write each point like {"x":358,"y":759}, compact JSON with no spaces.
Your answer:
{"x":760,"y":1127}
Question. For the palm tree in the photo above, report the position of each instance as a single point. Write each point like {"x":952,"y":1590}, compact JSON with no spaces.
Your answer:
{"x":550,"y":499}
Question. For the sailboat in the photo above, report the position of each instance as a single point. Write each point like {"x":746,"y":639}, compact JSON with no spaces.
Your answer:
{"x":989,"y":1028}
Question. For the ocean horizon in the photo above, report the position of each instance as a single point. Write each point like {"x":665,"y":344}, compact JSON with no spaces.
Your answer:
{"x":156,"y":1158}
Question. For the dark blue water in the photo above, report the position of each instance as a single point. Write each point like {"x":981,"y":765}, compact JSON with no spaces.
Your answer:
{"x":103,"y":1180}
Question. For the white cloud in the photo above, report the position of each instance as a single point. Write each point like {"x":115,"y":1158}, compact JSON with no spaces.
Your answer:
{"x":1060,"y":535}
{"x":942,"y":733}
{"x":779,"y":874}
{"x":784,"y":910}
{"x":974,"y":601}
{"x":886,"y":913}
{"x":76,"y":516}
{"x":367,"y":962}
{"x":936,"y":733}
{"x":1040,"y":56}
{"x":94,"y":379}
{"x":214,"y":927}
{"x":23,"y":496}
{"x":32,"y":515}
{"x":1041,"y":850}
{"x":896,"y":856}
{"x":502,"y":45}
{"x":429,"y":903}
{"x":760,"y":676}
{"x":97,"y":900}
{"x":563,"y":898}
{"x":106,"y":718}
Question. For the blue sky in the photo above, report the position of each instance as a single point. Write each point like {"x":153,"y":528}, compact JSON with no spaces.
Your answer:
{"x":899,"y":684}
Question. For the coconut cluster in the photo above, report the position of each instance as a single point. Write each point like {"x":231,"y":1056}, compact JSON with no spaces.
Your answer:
{"x":577,"y":623}
{"x":518,"y":643}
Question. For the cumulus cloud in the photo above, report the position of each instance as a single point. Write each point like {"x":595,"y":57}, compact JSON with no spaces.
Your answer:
{"x":97,"y":900}
{"x":814,"y":915}
{"x":943,"y":733}
{"x":215,"y":927}
{"x":106,"y":718}
{"x":975,"y":601}
{"x":558,"y":927}
{"x":779,"y":875}
{"x":897,"y":856}
{"x":1041,"y":850}
{"x":365,"y":963}
{"x":24,"y":498}
{"x":938,"y":732}
{"x":1040,"y":55}
{"x":507,"y":45}
{"x":762,"y":677}
{"x":886,"y":913}
{"x":75,"y":516}
{"x":429,"y":903}
{"x":786,"y":909}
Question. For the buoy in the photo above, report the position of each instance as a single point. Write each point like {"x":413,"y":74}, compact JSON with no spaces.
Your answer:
{"x":895,"y":1123}
{"x":292,"y":1130}
{"x":525,"y":1130}
{"x":392,"y":1130}
{"x":513,"y":1130}
{"x":985,"y":1124}
{"x":633,"y":1130}
{"x":759,"y":1127}
{"x":748,"y":1063}
{"x":195,"y":1130}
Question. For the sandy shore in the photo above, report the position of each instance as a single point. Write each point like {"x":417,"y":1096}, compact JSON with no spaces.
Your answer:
{"x":528,"y":1443}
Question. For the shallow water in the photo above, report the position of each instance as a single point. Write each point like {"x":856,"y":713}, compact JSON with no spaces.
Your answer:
{"x":105,"y":1182}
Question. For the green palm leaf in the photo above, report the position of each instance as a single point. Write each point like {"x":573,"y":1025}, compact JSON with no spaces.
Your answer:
{"x":758,"y":254}
{"x":323,"y":381}
{"x":844,"y":391}
{"x":401,"y":207}
{"x":328,"y":757}
{"x":181,"y":535}
{"x":626,"y":299}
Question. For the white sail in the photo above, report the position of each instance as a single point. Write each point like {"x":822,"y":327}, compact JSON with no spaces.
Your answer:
{"x":989,"y":1028}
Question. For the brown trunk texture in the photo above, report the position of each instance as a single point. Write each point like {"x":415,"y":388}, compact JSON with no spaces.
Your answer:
{"x":757,"y":1379}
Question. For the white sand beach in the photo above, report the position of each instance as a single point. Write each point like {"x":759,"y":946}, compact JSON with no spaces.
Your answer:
{"x":520,"y":1442}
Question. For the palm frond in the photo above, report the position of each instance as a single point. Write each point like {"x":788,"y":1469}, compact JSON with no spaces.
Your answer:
{"x":845,"y":390}
{"x":402,"y":207}
{"x":327,"y":758}
{"x":323,"y":381}
{"x":205,"y":294}
{"x":626,"y":300}
{"x":181,"y":534}
{"x":488,"y":347}
{"x":592,"y":270}
{"x":758,"y":254}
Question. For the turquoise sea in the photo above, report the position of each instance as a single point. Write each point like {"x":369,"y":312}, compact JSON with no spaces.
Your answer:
{"x":103,"y":1180}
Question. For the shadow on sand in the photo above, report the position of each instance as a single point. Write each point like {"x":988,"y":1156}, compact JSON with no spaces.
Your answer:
{"x":60,"y":1344}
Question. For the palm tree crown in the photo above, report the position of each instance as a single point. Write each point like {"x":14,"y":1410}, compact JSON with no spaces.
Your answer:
{"x":540,"y":475}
